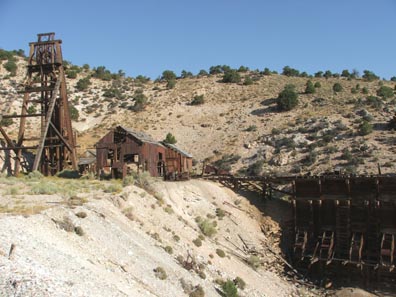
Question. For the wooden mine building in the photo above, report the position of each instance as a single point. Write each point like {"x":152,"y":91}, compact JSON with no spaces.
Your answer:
{"x":123,"y":149}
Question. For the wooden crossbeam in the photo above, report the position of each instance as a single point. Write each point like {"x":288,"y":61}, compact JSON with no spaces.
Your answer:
{"x":46,"y":125}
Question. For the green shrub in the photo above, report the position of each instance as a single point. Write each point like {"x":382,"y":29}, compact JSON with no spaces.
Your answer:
{"x":79,"y":231}
{"x":369,"y":75}
{"x":160,"y":273}
{"x":113,"y":93}
{"x":248,"y":81}
{"x":186,"y":74}
{"x":168,"y":209}
{"x":6,"y":55}
{"x":207,"y":227}
{"x":81,"y":214}
{"x":128,"y":180}
{"x":231,"y":76}
{"x":327,"y":74}
{"x":102,"y":73}
{"x":170,"y":138}
{"x":83,"y":84}
{"x":345,"y":73}
{"x":346,"y":154}
{"x":337,"y":87}
{"x":142,"y":79}
{"x":243,"y":69}
{"x":113,"y":188}
{"x":74,"y":113}
{"x":168,"y":75}
{"x":71,"y":74}
{"x":203,"y":72}
{"x":266,"y":71}
{"x":240,"y":283}
{"x":226,"y":161}
{"x":44,"y":188}
{"x":171,"y":84}
{"x":6,"y":122}
{"x":140,"y":101}
{"x":256,"y":168}
{"x":319,"y":74}
{"x":197,"y":292}
{"x":254,"y":262}
{"x":198,"y":100}
{"x":365,"y":128}
{"x":251,"y":128}
{"x":288,"y":71}
{"x":317,"y":85}
{"x":11,"y":67}
{"x":197,"y":242}
{"x":309,"y":87}
{"x":287,"y":99}
{"x":168,"y":249}
{"x":310,"y":159}
{"x":374,"y":102}
{"x":220,"y":213}
{"x":220,"y":253}
{"x":385,"y":92}
{"x":229,"y":289}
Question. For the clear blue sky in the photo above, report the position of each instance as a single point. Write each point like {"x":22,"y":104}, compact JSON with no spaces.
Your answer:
{"x":149,"y":36}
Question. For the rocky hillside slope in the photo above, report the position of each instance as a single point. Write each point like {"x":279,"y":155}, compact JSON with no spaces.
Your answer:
{"x":97,"y":238}
{"x":238,"y":124}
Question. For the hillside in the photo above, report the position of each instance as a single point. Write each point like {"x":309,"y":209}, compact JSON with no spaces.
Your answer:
{"x":97,"y":238}
{"x":322,"y":132}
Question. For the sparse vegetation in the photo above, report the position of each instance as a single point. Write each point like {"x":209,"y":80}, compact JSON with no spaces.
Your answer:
{"x":337,"y":87}
{"x":83,"y":84}
{"x":231,"y":76}
{"x":369,"y":75}
{"x":365,"y":128}
{"x":198,"y":100}
{"x":220,"y":253}
{"x":208,"y":228}
{"x":170,"y":138}
{"x":309,"y":87}
{"x":168,"y":249}
{"x":254,"y":262}
{"x":197,"y":242}
{"x":11,"y":67}
{"x":287,"y":99}
{"x":385,"y":92}
{"x":160,"y":273}
{"x":240,"y":283}
{"x":229,"y":289}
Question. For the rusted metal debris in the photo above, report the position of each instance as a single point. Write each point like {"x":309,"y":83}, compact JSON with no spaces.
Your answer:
{"x":55,"y":148}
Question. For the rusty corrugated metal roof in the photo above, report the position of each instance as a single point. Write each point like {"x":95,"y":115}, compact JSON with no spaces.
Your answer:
{"x":143,"y":137}
{"x":174,"y":147}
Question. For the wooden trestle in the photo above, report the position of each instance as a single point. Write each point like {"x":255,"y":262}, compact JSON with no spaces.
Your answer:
{"x":344,"y":226}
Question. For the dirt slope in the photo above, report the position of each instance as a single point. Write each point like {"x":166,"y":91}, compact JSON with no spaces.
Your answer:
{"x":125,"y":238}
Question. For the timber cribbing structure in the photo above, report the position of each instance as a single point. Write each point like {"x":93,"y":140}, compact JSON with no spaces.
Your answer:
{"x":344,"y":227}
